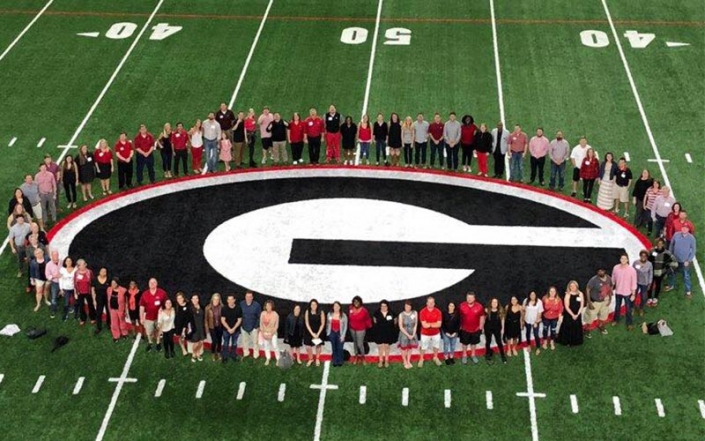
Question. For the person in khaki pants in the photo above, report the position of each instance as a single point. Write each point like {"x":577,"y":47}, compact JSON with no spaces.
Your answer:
{"x":599,"y":296}
{"x":278,"y":129}
{"x":251,"y":311}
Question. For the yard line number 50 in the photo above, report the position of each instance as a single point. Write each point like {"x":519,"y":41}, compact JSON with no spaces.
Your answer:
{"x":597,"y":39}
{"x":393,"y":36}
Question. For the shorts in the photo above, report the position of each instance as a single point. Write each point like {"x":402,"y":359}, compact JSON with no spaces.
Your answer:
{"x":149,"y":326}
{"x":470,"y":338}
{"x":621,"y":193}
{"x":266,"y":143}
{"x":600,"y":312}
{"x":429,"y":342}
{"x":37,"y":209}
{"x":39,"y":284}
{"x":576,"y":174}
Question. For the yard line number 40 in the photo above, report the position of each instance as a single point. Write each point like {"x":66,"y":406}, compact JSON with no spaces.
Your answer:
{"x":119,"y":31}
{"x":637,"y":40}
{"x":393,"y":36}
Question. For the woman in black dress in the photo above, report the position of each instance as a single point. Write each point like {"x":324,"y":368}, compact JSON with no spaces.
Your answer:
{"x":70,"y":178}
{"x":571,"y":333}
{"x":315,"y":322}
{"x":386,"y":330}
{"x":86,"y":171}
{"x":165,"y":149}
{"x":294,"y":334}
{"x":198,"y":328}
{"x":513,"y":325}
{"x":394,"y":139}
{"x":348,"y":131}
{"x":181,"y":321}
{"x":494,"y":327}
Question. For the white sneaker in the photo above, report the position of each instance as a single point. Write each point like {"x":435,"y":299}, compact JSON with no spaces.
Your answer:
{"x":295,"y":162}
{"x":264,"y":160}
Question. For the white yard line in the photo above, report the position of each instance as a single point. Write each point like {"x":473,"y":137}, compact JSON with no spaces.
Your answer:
{"x":446,"y":398}
{"x":370,"y":69}
{"x":241,"y":390}
{"x":405,"y":397}
{"x":38,"y":384}
{"x":688,"y":158}
{"x":574,"y":404}
{"x":489,"y":400}
{"x":160,"y":388}
{"x":363,"y":394}
{"x":79,"y":385}
{"x":324,"y":387}
{"x":202,"y":385}
{"x":701,"y":405}
{"x":645,"y":121}
{"x":121,"y":381}
{"x":24,"y":31}
{"x":2,"y":377}
{"x":658,"y":160}
{"x":88,"y":116}
{"x":659,"y":408}
{"x":498,"y":74}
{"x":531,"y":397}
{"x":617,"y":406}
{"x":41,"y":142}
{"x":282,"y":392}
{"x":12,"y":142}
{"x":4,"y":245}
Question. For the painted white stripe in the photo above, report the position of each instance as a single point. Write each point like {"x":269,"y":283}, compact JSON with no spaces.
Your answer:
{"x":282,"y":392}
{"x":650,"y":135}
{"x":627,"y":157}
{"x":405,"y":397}
{"x":201,"y":386}
{"x":574,"y":404}
{"x":88,"y":34}
{"x":659,"y":408}
{"x":532,"y":399}
{"x":688,"y":158}
{"x":498,"y":74}
{"x":24,"y":31}
{"x":658,"y":160}
{"x":446,"y":398}
{"x":160,"y":388}
{"x":676,"y":44}
{"x":701,"y":405}
{"x":38,"y":384}
{"x":241,"y":390}
{"x":4,"y":245}
{"x":2,"y":377}
{"x":79,"y":385}
{"x":118,"y":388}
{"x":321,"y":402}
{"x":109,"y":83}
{"x":489,"y":400}
{"x":122,"y":380}
{"x":617,"y":406}
{"x":41,"y":142}
{"x":12,"y":142}
{"x":363,"y":394}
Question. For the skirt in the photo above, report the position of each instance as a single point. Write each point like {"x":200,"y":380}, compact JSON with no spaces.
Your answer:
{"x":308,"y":340}
{"x":226,"y":154}
{"x":605,"y":195}
{"x":405,"y":342}
{"x":104,"y":171}
{"x":512,"y":330}
{"x":295,"y":341}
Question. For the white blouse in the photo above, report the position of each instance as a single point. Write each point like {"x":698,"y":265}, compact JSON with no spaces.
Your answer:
{"x":66,"y":279}
{"x":531,"y":312}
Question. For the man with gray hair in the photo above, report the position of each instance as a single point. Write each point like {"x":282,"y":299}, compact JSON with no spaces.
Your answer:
{"x":17,"y":237}
{"x":211,"y":138}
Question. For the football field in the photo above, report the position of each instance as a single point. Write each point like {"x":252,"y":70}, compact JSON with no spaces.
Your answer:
{"x":627,"y":74}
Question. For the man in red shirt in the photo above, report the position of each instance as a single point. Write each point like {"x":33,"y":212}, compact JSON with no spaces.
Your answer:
{"x":435,"y":132}
{"x":124,"y":152}
{"x":472,"y":320}
{"x":144,"y":145}
{"x":151,"y":302}
{"x":431,"y":319}
{"x":518,"y":146}
{"x":313,"y":128}
{"x":179,"y":140}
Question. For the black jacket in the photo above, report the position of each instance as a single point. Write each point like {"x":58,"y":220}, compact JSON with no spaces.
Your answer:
{"x":483,"y":142}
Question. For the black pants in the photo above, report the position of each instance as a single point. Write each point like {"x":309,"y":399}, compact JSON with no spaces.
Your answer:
{"x":168,"y":341}
{"x":70,"y":190}
{"x":467,"y":154}
{"x":537,"y":166}
{"x":420,"y":154}
{"x":497,"y":333}
{"x":124,"y":174}
{"x":101,"y":302}
{"x":588,"y":185}
{"x":655,"y":290}
{"x":452,"y":153}
{"x":143,"y":162}
{"x":216,"y":339}
{"x":251,"y":138}
{"x":297,"y":148}
{"x":180,"y":155}
{"x":167,"y":155}
{"x":314,"y":149}
{"x":437,"y":148}
{"x":642,"y":216}
{"x":408,"y":154}
{"x":84,"y":299}
{"x":498,"y":162}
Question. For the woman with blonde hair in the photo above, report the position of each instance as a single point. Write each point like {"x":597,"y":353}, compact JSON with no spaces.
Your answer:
{"x":494,"y":327}
{"x":268,"y":326}
{"x":571,"y":333}
{"x":104,"y":165}
{"x":165,"y":325}
{"x":214,"y":326}
{"x":165,"y":149}
{"x":407,"y":139}
{"x":196,"y":134}
{"x":552,"y":311}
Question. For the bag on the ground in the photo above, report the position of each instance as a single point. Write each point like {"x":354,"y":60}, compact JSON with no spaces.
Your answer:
{"x":33,"y":333}
{"x":284,"y":360}
{"x":59,"y":342}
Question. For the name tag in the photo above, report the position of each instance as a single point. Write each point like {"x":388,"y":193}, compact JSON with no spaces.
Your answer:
{"x":310,"y":123}
{"x":667,"y":204}
{"x":90,"y":159}
{"x":389,"y":318}
{"x":580,"y":299}
{"x":638,"y":267}
{"x":157,"y":303}
{"x":624,"y":175}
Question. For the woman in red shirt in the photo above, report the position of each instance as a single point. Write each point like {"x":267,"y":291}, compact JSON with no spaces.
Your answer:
{"x":251,"y":130}
{"x":672,"y":216}
{"x":104,"y":165}
{"x":359,"y":322}
{"x":589,"y":172}
{"x":296,"y":138}
{"x":552,"y":310}
{"x":83,"y":283}
{"x":364,"y":135}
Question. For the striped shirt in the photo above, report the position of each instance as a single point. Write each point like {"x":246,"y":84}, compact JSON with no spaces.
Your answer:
{"x":650,"y":197}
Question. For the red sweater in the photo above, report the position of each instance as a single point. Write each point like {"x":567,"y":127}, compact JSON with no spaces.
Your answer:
{"x":359,"y":320}
{"x":296,"y":131}
{"x":467,"y":134}
{"x":313,"y":127}
{"x":589,"y":169}
{"x":552,"y":309}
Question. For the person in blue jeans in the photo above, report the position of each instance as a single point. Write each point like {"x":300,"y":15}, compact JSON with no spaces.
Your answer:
{"x":450,"y":327}
{"x":336,"y":328}
{"x":211,"y":137}
{"x":683,"y":248}
{"x":230,"y":319}
{"x":518,"y":146}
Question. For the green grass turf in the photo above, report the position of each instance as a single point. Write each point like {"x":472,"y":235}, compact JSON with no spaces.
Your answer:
{"x":549,"y":79}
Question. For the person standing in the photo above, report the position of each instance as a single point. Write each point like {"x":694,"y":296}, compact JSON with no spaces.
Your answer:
{"x":38,"y":277}
{"x":104,"y":165}
{"x":19,"y":197}
{"x":394,"y":138}
{"x":449,"y":331}
{"x":296,"y":138}
{"x":538,"y":148}
{"x":622,"y":181}
{"x":226,"y":150}
{"x":278,"y":131}
{"x":451,"y":135}
{"x":380,"y":131}
{"x":313,"y":129}
{"x":336,"y":327}
{"x":54,"y":169}
{"x":661,"y":209}
{"x":226,"y":120}
{"x":165,"y":326}
{"x":364,"y":136}
{"x":500,"y":149}
{"x":407,"y":139}
{"x":644,"y":279}
{"x":599,"y":297}
{"x":663,"y":263}
{"x":420,"y":141}
{"x":641,"y":186}
{"x":251,"y":311}
{"x":359,"y":322}
{"x":134,"y":294}
{"x":494,"y":327}
{"x":211,"y":138}
{"x":518,"y":146}
{"x":294,"y":333}
{"x":408,"y":323}
{"x":213,"y":315}
{"x":117,"y":296}
{"x":533,"y":309}
{"x":124,"y":152}
{"x":386,"y":331}
{"x":151,"y":302}
{"x":268,"y":325}
{"x":467,"y":141}
{"x":348,"y":131}
{"x":251,"y":131}
{"x":182,"y":320}
{"x":431,"y":319}
{"x":239,"y":139}
{"x":651,"y":194}
{"x":196,"y":135}
{"x":263,"y":122}
{"x":166,"y":150}
{"x":83,"y":282}
{"x":571,"y":333}
{"x":30,"y":190}
{"x":198,"y":327}
{"x":683,"y":249}
{"x":315,"y":322}
{"x":576,"y":157}
{"x":608,"y":171}
{"x":676,"y":224}
{"x":552,"y":311}
{"x":483,"y":148}
{"x":435,"y":132}
{"x":332,"y":132}
{"x":472,"y":322}
{"x":513,"y":323}
{"x":589,"y":173}
{"x":558,"y":153}
{"x":624,"y":281}
{"x":230,"y":320}
{"x":69,"y":176}
{"x":86,"y":171}
{"x":99,"y":292}
{"x":179,"y":141}
{"x":144,"y":147}
{"x":46,"y":186}
{"x":66,"y":287}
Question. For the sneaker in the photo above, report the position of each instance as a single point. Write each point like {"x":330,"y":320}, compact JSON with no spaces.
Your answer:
{"x":668,"y":288}
{"x":438,"y":362}
{"x":604,"y":331}
{"x":295,"y":162}
{"x":475,"y":360}
{"x":264,"y":160}
{"x":588,"y":335}
{"x":159,"y":347}
{"x":52,"y":315}
{"x":421,"y":363}
{"x":447,"y":361}
{"x":649,"y":302}
{"x":464,"y":360}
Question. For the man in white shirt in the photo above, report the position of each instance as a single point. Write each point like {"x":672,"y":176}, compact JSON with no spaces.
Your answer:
{"x":576,"y":157}
{"x":500,"y":137}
